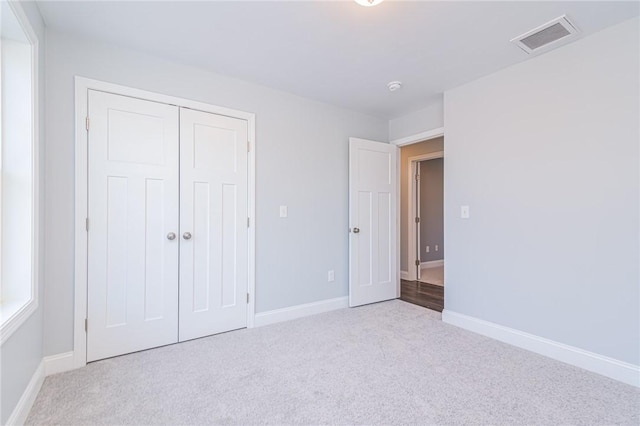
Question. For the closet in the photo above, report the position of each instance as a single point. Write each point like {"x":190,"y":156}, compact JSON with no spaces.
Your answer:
{"x":167,"y":224}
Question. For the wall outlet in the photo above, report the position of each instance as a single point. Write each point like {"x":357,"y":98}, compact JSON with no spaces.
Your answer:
{"x":331,"y":276}
{"x":436,"y":247}
{"x":428,"y":248}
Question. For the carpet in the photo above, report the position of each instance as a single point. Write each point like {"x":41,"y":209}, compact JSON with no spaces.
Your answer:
{"x":386,"y":363}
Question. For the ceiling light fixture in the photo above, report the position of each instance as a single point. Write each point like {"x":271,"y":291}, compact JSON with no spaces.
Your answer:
{"x":369,"y":3}
{"x":394,"y":85}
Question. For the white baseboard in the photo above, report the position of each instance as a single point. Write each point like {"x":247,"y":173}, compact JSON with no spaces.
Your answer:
{"x":600,"y":364}
{"x":59,"y":363}
{"x":432,"y":264}
{"x":404,"y":275}
{"x":299,"y":311}
{"x":20,"y":413}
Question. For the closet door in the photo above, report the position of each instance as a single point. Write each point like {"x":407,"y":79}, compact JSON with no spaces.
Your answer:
{"x":213,"y":224}
{"x":133,"y":212}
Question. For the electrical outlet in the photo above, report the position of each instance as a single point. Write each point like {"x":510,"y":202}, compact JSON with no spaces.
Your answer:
{"x":428,"y":248}
{"x":283,"y":211}
{"x":436,"y":247}
{"x":331,"y":276}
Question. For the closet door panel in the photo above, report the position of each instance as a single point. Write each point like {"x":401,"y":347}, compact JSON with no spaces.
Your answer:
{"x":133,"y":206}
{"x":213,"y":224}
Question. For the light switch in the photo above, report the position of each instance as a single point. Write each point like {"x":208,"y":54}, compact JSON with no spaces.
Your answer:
{"x":464,"y":212}
{"x":331,"y":276}
{"x":283,"y":211}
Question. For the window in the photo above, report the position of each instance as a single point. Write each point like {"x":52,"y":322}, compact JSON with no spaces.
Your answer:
{"x":18,"y":169}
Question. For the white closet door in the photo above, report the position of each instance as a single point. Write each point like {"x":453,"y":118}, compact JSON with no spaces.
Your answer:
{"x":133,"y":207}
{"x":213,"y":224}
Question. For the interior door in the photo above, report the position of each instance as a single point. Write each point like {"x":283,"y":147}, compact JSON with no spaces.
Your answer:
{"x":373,"y":222}
{"x":213,"y":223}
{"x":133,"y":214}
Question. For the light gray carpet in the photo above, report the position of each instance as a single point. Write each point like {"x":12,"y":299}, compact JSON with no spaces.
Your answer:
{"x":388,"y":363}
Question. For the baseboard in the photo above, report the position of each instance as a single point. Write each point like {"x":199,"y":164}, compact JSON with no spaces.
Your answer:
{"x":432,"y":264}
{"x":600,"y":364}
{"x":20,"y":413}
{"x":59,"y":363}
{"x":404,"y":275}
{"x":299,"y":311}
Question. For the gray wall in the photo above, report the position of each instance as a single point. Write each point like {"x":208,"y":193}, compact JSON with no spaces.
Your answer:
{"x":22,"y":352}
{"x":433,"y":145}
{"x":428,"y":118}
{"x":546,"y":155}
{"x":431,"y":209}
{"x":302,"y":162}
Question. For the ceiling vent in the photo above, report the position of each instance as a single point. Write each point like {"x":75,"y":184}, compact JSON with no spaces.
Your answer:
{"x":546,"y":35}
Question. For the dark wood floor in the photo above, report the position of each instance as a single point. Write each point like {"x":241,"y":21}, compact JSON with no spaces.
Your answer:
{"x":428,"y":295}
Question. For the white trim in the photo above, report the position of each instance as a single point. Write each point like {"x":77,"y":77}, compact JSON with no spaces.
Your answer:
{"x":398,"y":227}
{"x":21,"y":411}
{"x":405,"y":276}
{"x":412,"y":225}
{"x":299,"y":311}
{"x":600,"y":364}
{"x":59,"y":363}
{"x":82,"y":85}
{"x":432,"y":264}
{"x":17,"y":318}
{"x":420,"y":137}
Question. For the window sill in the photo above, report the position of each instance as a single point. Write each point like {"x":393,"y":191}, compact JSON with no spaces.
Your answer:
{"x":13,"y":315}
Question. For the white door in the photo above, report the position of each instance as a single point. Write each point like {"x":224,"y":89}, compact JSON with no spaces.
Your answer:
{"x":373,"y":222}
{"x":133,"y":208}
{"x":213,"y":223}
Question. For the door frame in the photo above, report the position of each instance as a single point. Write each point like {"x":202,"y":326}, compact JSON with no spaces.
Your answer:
{"x":410,"y":140}
{"x":82,"y":86}
{"x":412,"y":163}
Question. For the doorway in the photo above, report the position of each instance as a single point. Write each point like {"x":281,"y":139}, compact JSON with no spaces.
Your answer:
{"x":422,"y":230}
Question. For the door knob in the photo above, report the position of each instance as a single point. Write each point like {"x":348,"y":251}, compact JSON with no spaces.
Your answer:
{"x":186,"y":235}
{"x":171,"y":236}
{"x":356,"y":230}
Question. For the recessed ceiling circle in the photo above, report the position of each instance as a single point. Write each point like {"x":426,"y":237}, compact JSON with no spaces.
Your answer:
{"x":369,"y":3}
{"x":394,"y":85}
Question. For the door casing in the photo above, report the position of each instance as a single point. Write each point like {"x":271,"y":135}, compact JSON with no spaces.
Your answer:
{"x":82,"y":86}
{"x":414,"y":228}
{"x":405,"y":141}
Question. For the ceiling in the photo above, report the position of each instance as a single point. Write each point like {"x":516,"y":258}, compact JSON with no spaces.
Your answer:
{"x":333,"y":51}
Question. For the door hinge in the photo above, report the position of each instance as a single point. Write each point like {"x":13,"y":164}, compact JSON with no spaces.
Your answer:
{"x":86,"y":224}
{"x":86,"y":123}
{"x":248,"y":222}
{"x":417,"y":220}
{"x":86,"y":325}
{"x":417,"y":262}
{"x":247,"y":297}
{"x":417,"y":177}
{"x":248,"y":146}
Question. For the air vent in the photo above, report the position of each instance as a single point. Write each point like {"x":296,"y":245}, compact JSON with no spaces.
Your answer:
{"x":546,"y":35}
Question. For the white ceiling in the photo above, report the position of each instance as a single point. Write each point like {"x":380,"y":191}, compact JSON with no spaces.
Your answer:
{"x":333,"y":51}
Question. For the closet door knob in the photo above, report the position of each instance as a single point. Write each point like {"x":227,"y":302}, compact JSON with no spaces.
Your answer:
{"x":186,"y":235}
{"x":356,"y":230}
{"x":171,"y":236}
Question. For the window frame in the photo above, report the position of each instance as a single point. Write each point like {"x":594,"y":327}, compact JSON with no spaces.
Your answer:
{"x":21,"y":311}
